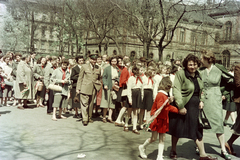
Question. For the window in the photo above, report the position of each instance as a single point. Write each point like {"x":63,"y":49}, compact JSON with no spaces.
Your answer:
{"x":226,"y":58}
{"x":44,"y":18}
{"x":42,"y":45}
{"x":193,"y":37}
{"x":228,"y":30}
{"x":51,"y":32}
{"x":44,"y":31}
{"x":182,"y":35}
{"x":204,"y":38}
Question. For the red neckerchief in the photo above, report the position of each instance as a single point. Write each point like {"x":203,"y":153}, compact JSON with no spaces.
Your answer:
{"x":139,"y":78}
{"x":150,"y":78}
{"x":64,"y":75}
{"x":42,"y":67}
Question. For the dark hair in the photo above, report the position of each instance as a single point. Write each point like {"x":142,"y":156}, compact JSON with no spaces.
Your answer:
{"x":99,"y":56}
{"x":191,"y":57}
{"x":17,"y":54}
{"x":78,"y":57}
{"x":209,"y":56}
{"x":135,"y":70}
{"x":66,"y":61}
{"x":31,"y":53}
{"x":165,"y":84}
{"x":174,"y":69}
{"x":39,"y":60}
{"x":113,"y":57}
{"x":120,"y":57}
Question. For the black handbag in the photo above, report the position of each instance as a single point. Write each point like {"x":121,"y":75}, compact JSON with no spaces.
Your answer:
{"x":203,"y":120}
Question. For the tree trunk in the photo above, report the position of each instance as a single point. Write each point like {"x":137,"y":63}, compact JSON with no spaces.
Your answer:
{"x":77,"y":51}
{"x":100,"y":47}
{"x":160,"y":54}
{"x":146,"y":47}
{"x":32,"y":33}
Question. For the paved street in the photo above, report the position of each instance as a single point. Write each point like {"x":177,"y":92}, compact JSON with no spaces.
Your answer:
{"x":30,"y":134}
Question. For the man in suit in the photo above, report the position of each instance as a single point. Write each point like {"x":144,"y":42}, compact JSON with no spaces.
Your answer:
{"x":50,"y":67}
{"x":33,"y":61}
{"x":74,"y":77}
{"x":236,"y":126}
{"x":87,"y":86}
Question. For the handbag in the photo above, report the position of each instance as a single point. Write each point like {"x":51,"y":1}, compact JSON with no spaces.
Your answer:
{"x":113,"y":95}
{"x":124,"y":92}
{"x":55,"y":87}
{"x":204,"y":123}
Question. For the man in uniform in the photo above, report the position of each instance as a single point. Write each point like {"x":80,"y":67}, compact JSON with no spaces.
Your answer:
{"x":87,"y":86}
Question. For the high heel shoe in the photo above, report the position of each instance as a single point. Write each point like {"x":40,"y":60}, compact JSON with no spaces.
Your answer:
{"x":225,"y":155}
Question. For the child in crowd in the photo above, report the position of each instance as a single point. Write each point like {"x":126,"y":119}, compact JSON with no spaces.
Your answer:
{"x":135,"y":96}
{"x":148,"y":84}
{"x":160,"y":124}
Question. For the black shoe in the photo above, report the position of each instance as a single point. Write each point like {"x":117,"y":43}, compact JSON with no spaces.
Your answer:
{"x":85,"y":123}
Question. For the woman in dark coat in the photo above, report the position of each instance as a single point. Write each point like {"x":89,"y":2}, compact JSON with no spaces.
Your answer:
{"x":187,"y":89}
{"x":74,"y":78}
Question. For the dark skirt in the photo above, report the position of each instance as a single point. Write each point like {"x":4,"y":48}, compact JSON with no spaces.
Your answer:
{"x":119,"y":94}
{"x":136,"y":98}
{"x":229,"y":106}
{"x":236,"y":126}
{"x":147,"y":99}
{"x":187,"y":126}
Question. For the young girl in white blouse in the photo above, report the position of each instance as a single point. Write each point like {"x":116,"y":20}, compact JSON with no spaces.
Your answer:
{"x":148,"y":99}
{"x":135,"y":96}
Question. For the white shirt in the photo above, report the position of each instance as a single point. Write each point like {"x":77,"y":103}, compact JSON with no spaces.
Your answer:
{"x":133,"y":83}
{"x":157,"y":79}
{"x":114,"y":72}
{"x":147,"y":82}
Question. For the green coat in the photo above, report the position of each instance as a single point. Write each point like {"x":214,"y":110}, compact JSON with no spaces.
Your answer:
{"x":183,"y":87}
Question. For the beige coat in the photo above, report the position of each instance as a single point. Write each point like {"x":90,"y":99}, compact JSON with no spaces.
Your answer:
{"x":89,"y":79}
{"x":24,"y":75}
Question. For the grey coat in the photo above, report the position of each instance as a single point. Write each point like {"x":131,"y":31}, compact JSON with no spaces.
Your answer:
{"x":212,"y":98}
{"x":56,"y":78}
{"x":24,"y":75}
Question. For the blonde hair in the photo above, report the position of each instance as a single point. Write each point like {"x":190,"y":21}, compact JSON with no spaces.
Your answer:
{"x":209,"y":56}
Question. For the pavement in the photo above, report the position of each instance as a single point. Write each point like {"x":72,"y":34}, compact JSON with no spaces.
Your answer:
{"x":30,"y":134}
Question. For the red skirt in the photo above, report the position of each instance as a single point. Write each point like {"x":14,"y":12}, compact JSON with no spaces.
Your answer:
{"x":159,"y":125}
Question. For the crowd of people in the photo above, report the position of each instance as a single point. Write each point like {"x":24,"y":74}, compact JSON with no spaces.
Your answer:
{"x":118,"y":90}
